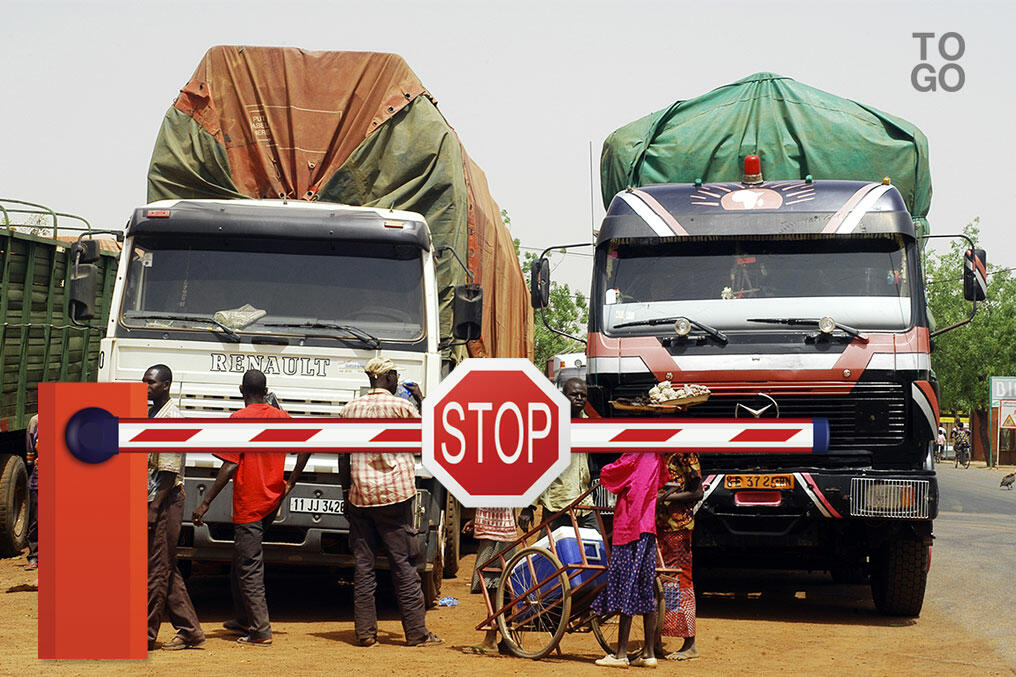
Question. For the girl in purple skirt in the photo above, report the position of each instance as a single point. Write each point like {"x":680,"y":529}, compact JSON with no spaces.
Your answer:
{"x":635,"y":478}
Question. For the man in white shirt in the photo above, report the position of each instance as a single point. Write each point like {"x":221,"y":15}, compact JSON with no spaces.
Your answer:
{"x":166,"y":589}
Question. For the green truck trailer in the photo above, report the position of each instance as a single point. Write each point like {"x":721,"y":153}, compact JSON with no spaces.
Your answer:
{"x":38,"y":341}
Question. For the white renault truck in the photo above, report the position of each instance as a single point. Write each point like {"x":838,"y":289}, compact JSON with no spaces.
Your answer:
{"x":306,"y":292}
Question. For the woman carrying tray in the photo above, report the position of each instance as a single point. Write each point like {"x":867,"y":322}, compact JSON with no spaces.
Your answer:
{"x":675,"y":519}
{"x":635,"y":478}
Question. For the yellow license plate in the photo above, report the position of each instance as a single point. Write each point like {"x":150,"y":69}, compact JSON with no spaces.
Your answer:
{"x":758,"y":481}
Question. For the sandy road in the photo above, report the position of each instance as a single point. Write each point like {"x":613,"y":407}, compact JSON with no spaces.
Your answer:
{"x":798,"y":626}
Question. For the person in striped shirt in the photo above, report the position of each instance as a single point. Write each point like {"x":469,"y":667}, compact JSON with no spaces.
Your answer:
{"x":382,"y":486}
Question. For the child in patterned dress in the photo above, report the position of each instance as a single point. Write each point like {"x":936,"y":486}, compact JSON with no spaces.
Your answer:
{"x":675,"y":520}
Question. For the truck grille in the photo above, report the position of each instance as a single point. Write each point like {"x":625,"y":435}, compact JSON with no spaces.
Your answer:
{"x":872,"y":416}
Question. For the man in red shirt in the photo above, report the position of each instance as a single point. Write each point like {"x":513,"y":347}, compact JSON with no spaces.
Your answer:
{"x":258,"y":490}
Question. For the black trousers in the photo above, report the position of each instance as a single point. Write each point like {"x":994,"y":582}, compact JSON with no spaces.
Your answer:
{"x":248,"y":577}
{"x":389,"y":527}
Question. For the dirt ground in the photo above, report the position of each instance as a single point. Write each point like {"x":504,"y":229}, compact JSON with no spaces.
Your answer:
{"x":802,"y":625}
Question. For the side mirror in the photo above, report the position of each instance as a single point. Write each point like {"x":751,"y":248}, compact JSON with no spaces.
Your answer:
{"x":82,"y":289}
{"x":539,"y":284}
{"x":85,"y":251}
{"x":467,"y":312}
{"x":975,"y":275}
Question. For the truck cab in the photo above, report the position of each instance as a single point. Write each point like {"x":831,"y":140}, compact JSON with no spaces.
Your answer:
{"x":788,"y":299}
{"x":305,"y":292}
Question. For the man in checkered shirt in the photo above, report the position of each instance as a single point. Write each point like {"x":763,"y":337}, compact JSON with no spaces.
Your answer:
{"x":382,"y":486}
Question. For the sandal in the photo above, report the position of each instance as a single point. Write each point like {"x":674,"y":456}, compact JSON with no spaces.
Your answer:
{"x":480,"y":650}
{"x":246,"y":639}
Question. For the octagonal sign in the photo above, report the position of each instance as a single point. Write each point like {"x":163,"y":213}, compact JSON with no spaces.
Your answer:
{"x":496,"y":432}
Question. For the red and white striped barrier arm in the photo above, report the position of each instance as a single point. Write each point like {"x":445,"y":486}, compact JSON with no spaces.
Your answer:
{"x":318,"y":435}
{"x":321,"y":435}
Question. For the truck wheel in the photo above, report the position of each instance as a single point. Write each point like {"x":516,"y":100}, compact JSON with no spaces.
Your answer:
{"x":899,"y":575}
{"x":13,"y":505}
{"x":452,"y":536}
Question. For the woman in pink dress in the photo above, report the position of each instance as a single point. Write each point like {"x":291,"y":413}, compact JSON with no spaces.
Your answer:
{"x":635,"y":478}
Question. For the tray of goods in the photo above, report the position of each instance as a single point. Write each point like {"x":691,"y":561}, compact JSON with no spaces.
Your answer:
{"x":664,"y":397}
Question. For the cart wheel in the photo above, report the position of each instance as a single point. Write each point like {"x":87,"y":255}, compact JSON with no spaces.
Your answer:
{"x":536,"y":620}
{"x":605,"y":627}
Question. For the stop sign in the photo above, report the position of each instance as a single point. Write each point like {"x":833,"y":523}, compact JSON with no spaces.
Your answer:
{"x":496,"y":432}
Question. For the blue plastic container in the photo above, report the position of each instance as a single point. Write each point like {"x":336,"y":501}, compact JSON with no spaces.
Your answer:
{"x":568,"y":552}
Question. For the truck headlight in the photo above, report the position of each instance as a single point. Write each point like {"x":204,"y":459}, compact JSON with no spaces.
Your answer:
{"x":871,"y":497}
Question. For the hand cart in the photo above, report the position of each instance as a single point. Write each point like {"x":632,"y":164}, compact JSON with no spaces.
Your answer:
{"x":547,"y":588}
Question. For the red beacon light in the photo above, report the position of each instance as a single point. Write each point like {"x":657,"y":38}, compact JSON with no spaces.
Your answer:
{"x":752,"y":170}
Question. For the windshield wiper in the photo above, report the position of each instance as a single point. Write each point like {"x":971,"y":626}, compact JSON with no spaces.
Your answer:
{"x":183,"y":317}
{"x":712,"y":331}
{"x":355,"y":332}
{"x":826,"y":325}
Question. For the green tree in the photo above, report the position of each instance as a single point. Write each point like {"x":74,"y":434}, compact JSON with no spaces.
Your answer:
{"x":568,"y":311}
{"x":965,"y":358}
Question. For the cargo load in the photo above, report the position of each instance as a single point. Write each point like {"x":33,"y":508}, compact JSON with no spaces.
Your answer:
{"x":795,"y":129}
{"x":355,"y":128}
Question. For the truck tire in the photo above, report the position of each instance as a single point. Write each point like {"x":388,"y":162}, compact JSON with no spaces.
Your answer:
{"x":452,"y":536}
{"x":13,"y":505}
{"x":899,"y":575}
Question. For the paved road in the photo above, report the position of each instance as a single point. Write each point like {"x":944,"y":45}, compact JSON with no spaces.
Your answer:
{"x":973,"y":572}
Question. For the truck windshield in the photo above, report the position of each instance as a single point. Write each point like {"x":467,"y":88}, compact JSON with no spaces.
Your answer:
{"x":274,"y":286}
{"x":862,"y":281}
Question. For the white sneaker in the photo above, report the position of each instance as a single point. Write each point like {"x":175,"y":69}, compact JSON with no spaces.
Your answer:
{"x":641,"y":662}
{"x":611,"y":661}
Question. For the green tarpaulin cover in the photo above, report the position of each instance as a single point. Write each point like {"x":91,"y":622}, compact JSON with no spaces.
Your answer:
{"x":797,"y":130}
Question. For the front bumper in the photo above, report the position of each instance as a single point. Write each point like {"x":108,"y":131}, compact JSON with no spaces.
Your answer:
{"x":833,"y":494}
{"x":825,"y":513}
